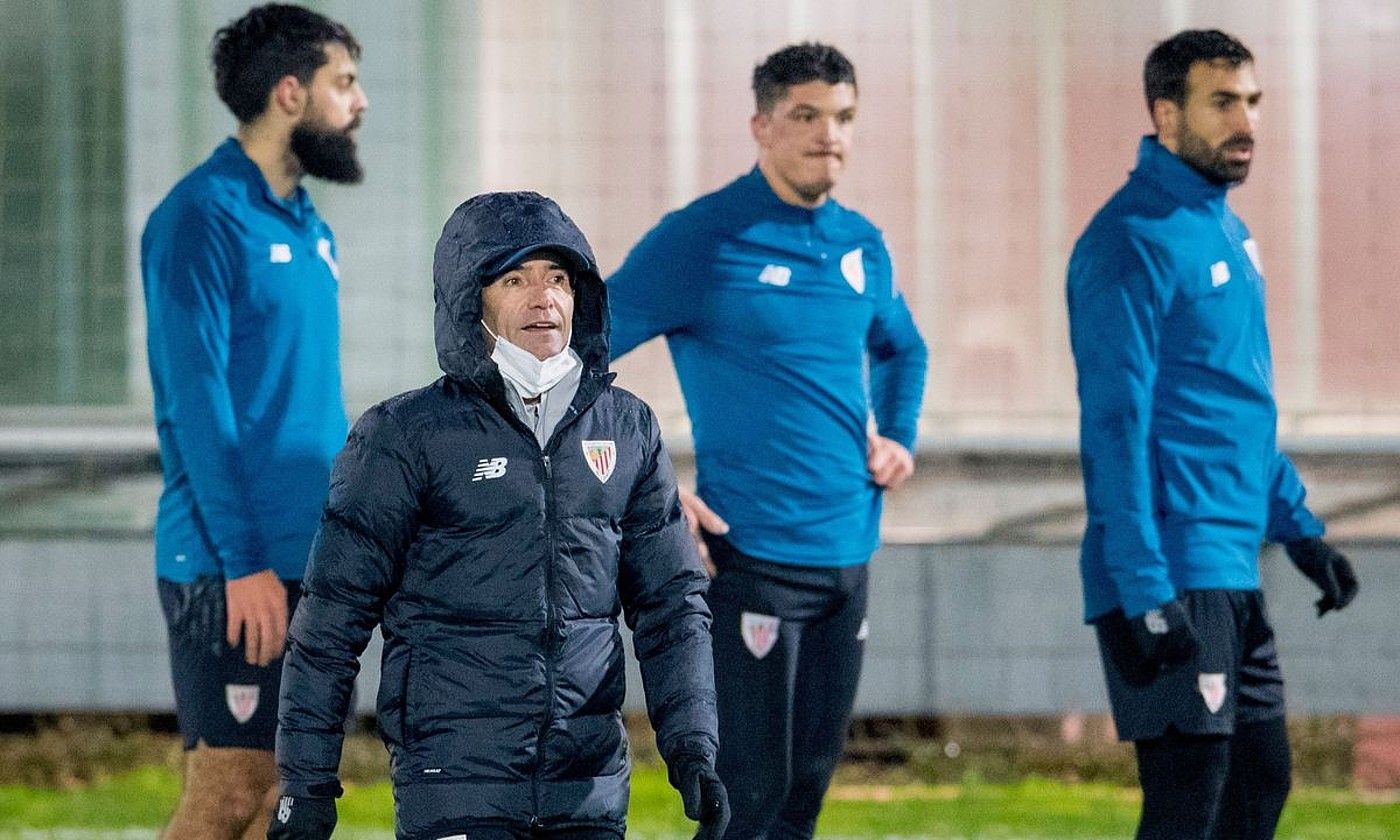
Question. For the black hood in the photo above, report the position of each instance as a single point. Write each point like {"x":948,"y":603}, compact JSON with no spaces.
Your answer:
{"x":482,"y":232}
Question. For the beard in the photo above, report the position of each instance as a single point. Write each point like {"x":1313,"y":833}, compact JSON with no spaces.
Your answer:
{"x":327,"y":153}
{"x":1211,"y":162}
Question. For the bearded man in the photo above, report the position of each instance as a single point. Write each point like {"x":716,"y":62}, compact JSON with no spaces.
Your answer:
{"x":240,"y":282}
{"x":1182,"y":472}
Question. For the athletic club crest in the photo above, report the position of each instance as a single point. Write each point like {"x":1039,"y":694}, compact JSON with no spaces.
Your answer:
{"x":853,"y":269}
{"x":760,"y":632}
{"x":1212,"y":688}
{"x":601,"y":456}
{"x":242,"y":701}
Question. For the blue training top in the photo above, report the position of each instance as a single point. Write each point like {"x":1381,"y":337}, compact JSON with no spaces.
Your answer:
{"x":772,"y":312}
{"x":1182,"y":472}
{"x":242,"y":333}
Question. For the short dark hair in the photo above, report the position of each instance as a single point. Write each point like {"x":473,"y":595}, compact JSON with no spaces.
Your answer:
{"x":1164,"y":74}
{"x":252,"y":53}
{"x":798,"y":64}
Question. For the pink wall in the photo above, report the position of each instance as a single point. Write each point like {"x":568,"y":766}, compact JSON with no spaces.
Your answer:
{"x":1034,"y":118}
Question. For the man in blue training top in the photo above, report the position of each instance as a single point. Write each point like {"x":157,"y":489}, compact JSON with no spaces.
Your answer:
{"x":788,"y":332}
{"x":1182,"y":471}
{"x":240,"y":282}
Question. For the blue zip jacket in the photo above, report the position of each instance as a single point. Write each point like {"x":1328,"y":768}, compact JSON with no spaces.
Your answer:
{"x":1182,"y":473}
{"x":242,"y":334}
{"x":773,"y":315}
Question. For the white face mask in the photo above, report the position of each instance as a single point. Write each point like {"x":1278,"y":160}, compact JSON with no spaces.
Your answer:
{"x":531,"y":376}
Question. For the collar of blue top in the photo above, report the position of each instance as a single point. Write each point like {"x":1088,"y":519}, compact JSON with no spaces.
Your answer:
{"x":1175,"y":175}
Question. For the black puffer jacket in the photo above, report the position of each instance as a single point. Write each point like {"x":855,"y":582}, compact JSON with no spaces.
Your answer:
{"x":498,"y":572}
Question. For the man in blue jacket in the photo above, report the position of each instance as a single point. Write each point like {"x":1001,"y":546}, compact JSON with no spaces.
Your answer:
{"x":1182,"y":471}
{"x":496,"y":524}
{"x":242,"y":336}
{"x":788,"y":333}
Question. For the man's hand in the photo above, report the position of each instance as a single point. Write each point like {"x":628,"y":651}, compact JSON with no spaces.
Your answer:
{"x":702,"y":793}
{"x":1326,"y":567}
{"x":257,"y":612}
{"x":889,"y":463}
{"x":1164,"y":636}
{"x":698,"y":515}
{"x":302,"y":818}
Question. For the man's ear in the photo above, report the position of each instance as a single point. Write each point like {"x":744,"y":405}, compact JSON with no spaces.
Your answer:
{"x":288,"y":96}
{"x":1166,"y":117}
{"x":759,"y":126}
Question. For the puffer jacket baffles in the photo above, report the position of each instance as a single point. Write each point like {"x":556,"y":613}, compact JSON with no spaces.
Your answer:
{"x":497,"y":571}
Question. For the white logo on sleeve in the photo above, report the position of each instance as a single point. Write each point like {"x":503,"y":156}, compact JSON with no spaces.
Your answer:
{"x":760,"y":632}
{"x":601,"y":456}
{"x":323,"y":247}
{"x":1219,"y":274}
{"x":1252,"y":249}
{"x":280,"y":252}
{"x":1212,"y":688}
{"x":284,"y":809}
{"x":853,"y":269}
{"x":1155,"y":621}
{"x":489,"y":468}
{"x":775,"y":275}
{"x":242,"y":701}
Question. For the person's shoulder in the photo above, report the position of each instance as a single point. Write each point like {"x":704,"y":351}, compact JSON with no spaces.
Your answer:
{"x":411,"y":411}
{"x":626,"y":408}
{"x":208,"y":193}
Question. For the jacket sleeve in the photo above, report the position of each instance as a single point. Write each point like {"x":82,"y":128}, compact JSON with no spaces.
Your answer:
{"x":898,"y":363}
{"x":1115,"y":310}
{"x":653,"y":292}
{"x":356,"y":563}
{"x":190,"y":280}
{"x":1289,"y":516}
{"x":662,"y":587}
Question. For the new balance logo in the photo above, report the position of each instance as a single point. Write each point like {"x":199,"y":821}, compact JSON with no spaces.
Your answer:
{"x":775,"y":275}
{"x":489,"y":468}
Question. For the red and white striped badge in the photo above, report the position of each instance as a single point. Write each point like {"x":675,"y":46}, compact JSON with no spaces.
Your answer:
{"x":242,"y":701}
{"x":1212,"y":688}
{"x":601,"y":456}
{"x":760,"y":632}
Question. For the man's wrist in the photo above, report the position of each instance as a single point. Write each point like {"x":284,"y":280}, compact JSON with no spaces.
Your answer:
{"x":324,"y":789}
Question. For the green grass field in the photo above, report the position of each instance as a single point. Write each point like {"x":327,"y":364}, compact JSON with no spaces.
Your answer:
{"x":132,"y":805}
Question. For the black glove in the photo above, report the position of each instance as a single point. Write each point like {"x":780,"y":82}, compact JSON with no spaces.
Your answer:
{"x":1326,"y":567}
{"x":1164,"y":636}
{"x":1145,"y":646}
{"x":302,"y":818}
{"x":702,"y":793}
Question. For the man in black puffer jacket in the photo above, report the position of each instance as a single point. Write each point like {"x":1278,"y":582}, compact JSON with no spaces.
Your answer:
{"x":495,"y":524}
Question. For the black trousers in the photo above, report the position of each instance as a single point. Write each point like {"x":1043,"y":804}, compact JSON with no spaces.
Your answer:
{"x":788,"y":645}
{"x":1214,"y":787}
{"x":504,"y":831}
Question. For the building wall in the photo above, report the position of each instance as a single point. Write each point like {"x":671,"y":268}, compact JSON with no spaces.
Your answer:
{"x":989,"y":132}
{"x":955,"y":628}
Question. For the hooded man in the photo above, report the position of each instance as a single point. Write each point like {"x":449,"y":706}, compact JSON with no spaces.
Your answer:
{"x":494,"y":525}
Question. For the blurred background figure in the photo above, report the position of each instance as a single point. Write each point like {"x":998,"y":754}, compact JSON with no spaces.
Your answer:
{"x":1182,"y":470}
{"x":242,"y":334}
{"x":803,"y":372}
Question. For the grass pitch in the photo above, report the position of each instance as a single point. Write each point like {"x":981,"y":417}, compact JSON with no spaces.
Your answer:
{"x":131,"y":806}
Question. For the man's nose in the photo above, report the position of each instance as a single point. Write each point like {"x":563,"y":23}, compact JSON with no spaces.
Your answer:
{"x":1244,"y":120}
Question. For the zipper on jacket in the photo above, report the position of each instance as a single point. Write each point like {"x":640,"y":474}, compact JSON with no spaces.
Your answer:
{"x":551,"y":640}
